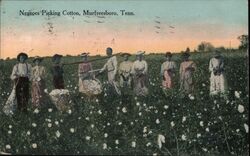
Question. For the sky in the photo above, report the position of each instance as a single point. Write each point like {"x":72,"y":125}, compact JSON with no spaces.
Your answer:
{"x":156,"y":26}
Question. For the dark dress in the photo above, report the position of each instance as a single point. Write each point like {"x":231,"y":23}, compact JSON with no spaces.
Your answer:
{"x":57,"y":73}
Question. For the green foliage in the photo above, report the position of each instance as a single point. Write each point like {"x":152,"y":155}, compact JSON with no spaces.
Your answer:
{"x":199,"y":126}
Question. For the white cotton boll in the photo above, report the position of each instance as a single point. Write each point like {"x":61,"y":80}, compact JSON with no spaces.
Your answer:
{"x":100,"y":112}
{"x":150,"y":132}
{"x":237,"y":130}
{"x":133,"y":144}
{"x":10,"y":126}
{"x":160,"y":140}
{"x":92,"y":125}
{"x":139,"y":113}
{"x":104,"y":146}
{"x":172,"y":123}
{"x":166,"y":106}
{"x":191,"y":97}
{"x":183,"y":137}
{"x":124,"y":110}
{"x":58,"y":134}
{"x":34,"y":145}
{"x":120,"y":123}
{"x":9,"y":132}
{"x":72,"y":130}
{"x":49,"y":125}
{"x":145,"y":130}
{"x":117,"y":142}
{"x":137,"y":104}
{"x":105,"y":135}
{"x":87,"y":118}
{"x":56,"y":122}
{"x":207,"y":129}
{"x":148,"y":144}
{"x":154,"y":154}
{"x":46,"y":91}
{"x":184,"y":118}
{"x":108,"y":124}
{"x":34,"y":124}
{"x":50,"y":110}
{"x":28,"y":133}
{"x":156,"y":111}
{"x":157,"y":121}
{"x":87,"y":137}
{"x":246,"y":127}
{"x":204,"y":149}
{"x":198,"y":135}
{"x":97,"y":100}
{"x":201,"y":123}
{"x":237,"y":94}
{"x":164,"y":113}
{"x":240,"y":108}
{"x":132,"y":123}
{"x":69,"y":111}
{"x":36,"y":111}
{"x":203,"y":85}
{"x":8,"y":147}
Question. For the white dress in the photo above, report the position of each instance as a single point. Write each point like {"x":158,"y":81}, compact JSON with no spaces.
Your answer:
{"x":217,"y":82}
{"x":111,"y":68}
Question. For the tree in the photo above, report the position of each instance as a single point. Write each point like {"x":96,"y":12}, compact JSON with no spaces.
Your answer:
{"x":187,"y":50}
{"x":205,"y":47}
{"x":222,"y":49}
{"x":243,"y":41}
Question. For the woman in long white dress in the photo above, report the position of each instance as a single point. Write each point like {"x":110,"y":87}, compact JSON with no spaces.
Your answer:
{"x":140,"y":71}
{"x":217,"y":78}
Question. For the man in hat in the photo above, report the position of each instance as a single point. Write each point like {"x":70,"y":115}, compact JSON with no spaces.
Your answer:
{"x":217,"y":78}
{"x":21,"y":75}
{"x":187,"y":69}
{"x":38,"y":82}
{"x":83,"y":72}
{"x":139,"y":71}
{"x":111,"y":67}
{"x":167,"y":71}
{"x":57,"y":72}
{"x":125,"y":69}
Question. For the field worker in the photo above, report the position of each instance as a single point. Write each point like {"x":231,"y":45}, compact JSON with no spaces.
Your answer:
{"x":167,"y":71}
{"x":139,"y":71}
{"x":57,"y":72}
{"x":38,"y":82}
{"x":21,"y":75}
{"x":217,"y":78}
{"x":83,"y":71}
{"x":187,"y":69}
{"x":111,"y":68}
{"x":125,"y":69}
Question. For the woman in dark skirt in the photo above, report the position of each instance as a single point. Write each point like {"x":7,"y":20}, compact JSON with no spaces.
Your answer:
{"x":21,"y":75}
{"x":57,"y":72}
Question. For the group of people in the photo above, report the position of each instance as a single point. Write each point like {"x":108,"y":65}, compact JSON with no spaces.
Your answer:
{"x":132,"y":75}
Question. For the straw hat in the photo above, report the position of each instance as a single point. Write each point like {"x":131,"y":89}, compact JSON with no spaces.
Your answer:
{"x":37,"y":58}
{"x":140,"y":53}
{"x":22,"y":54}
{"x":56,"y":56}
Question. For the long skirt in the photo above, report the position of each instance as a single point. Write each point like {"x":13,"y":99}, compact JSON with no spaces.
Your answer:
{"x":38,"y":94}
{"x":112,"y":82}
{"x":58,"y":82}
{"x":22,"y":93}
{"x":140,"y":85}
{"x":125,"y":81}
{"x":167,"y":83}
{"x":187,"y":84}
{"x":217,"y":84}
